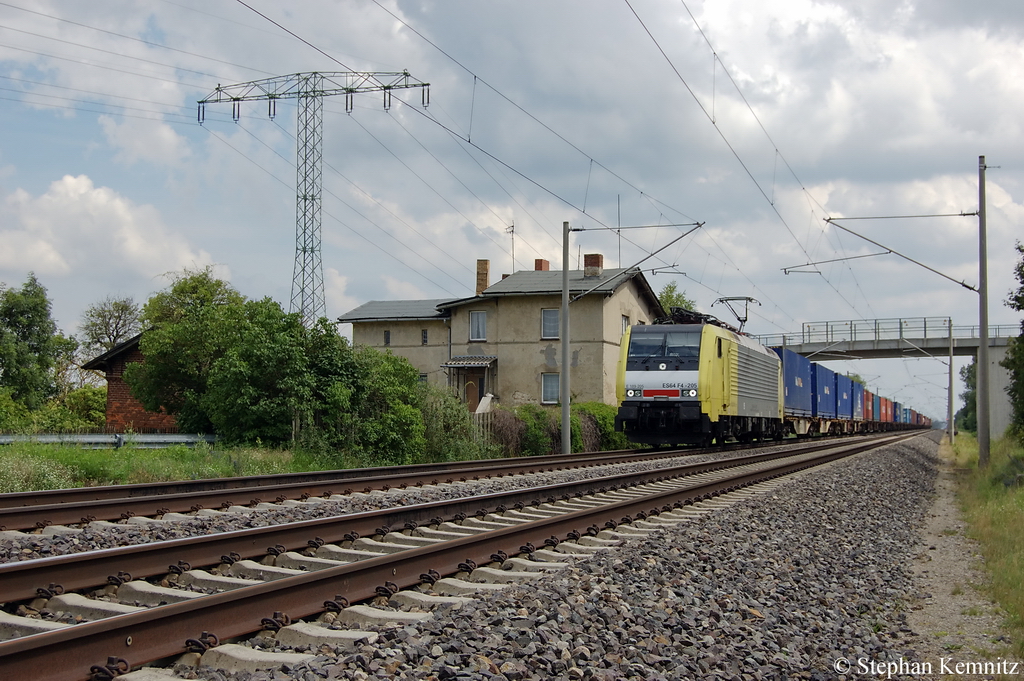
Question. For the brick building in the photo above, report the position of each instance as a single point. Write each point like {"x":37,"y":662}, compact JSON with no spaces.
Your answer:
{"x":124,"y":412}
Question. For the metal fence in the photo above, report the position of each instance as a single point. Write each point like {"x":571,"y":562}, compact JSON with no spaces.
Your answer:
{"x":884,"y":329}
{"x":113,"y":440}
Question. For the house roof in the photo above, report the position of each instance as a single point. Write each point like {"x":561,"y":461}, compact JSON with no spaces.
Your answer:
{"x":522,"y":283}
{"x":100,"y":363}
{"x":464,"y":361}
{"x":549,"y":282}
{"x":394,"y":310}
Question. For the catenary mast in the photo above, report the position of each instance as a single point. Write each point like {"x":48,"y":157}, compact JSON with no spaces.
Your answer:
{"x":310,"y":88}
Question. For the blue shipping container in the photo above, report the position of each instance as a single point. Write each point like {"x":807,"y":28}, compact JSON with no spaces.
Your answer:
{"x":897,"y":412}
{"x":796,"y":382}
{"x":858,"y":401}
{"x":876,"y":403}
{"x":824,"y":387}
{"x":844,"y":397}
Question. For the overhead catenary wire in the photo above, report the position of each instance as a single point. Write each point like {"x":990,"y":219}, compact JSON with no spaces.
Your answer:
{"x":506,"y":166}
{"x":730,"y":146}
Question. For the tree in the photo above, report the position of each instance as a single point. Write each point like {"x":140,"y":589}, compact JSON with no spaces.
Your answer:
{"x":671,"y":297}
{"x":261,"y":384}
{"x":191,"y":325}
{"x":108,"y":323}
{"x":1014,"y":361}
{"x":967,"y":416}
{"x":389,"y":426}
{"x":29,"y":343}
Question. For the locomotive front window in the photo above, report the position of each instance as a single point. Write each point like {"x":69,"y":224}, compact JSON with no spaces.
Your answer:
{"x":674,"y":344}
{"x":646,"y":345}
{"x":682,"y":344}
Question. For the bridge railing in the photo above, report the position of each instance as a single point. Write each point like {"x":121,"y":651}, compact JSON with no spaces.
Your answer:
{"x":884,"y":329}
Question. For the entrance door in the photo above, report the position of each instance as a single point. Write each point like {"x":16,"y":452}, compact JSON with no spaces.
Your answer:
{"x":475,"y":387}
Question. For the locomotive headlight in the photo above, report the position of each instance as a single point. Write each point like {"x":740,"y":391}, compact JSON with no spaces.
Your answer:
{"x":692,"y":393}
{"x":630,"y":393}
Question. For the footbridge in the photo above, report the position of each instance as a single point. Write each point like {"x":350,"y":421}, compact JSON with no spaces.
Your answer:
{"x":936,"y":337}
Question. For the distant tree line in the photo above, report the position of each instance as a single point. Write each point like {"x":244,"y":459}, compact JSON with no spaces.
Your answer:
{"x":42,"y":388}
{"x":967,"y":416}
{"x":252,"y":373}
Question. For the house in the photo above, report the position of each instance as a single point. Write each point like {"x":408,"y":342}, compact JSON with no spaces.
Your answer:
{"x":124,"y":412}
{"x":504,"y":341}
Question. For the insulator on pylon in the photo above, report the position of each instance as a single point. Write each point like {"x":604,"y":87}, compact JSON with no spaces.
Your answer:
{"x":348,"y":102}
{"x":425,"y":96}
{"x":272,"y":107}
{"x":387,"y":99}
{"x":201,"y":114}
{"x":236,"y":110}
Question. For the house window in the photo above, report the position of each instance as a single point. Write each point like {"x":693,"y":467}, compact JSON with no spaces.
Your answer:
{"x":423,"y":337}
{"x":625,"y":323}
{"x":423,"y":378}
{"x":477,"y":326}
{"x":548,"y":388}
{"x":387,"y":338}
{"x":549,"y":323}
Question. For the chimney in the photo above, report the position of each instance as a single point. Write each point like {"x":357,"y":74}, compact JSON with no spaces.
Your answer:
{"x":483,"y":275}
{"x":540,"y":265}
{"x":593,"y":265}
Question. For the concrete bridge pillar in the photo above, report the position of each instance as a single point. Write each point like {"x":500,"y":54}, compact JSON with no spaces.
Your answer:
{"x":1000,"y":411}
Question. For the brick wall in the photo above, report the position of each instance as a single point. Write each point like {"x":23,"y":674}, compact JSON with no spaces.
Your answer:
{"x":123,"y":410}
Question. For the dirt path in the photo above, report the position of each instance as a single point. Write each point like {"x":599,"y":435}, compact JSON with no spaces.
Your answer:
{"x":954,"y":621}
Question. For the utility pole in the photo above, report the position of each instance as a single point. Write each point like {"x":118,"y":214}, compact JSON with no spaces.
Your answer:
{"x":563,"y":377}
{"x":949,"y":404}
{"x":309,"y":88}
{"x":982,"y":374}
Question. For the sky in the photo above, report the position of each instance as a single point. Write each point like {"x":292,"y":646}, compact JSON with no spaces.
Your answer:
{"x":757,"y":121}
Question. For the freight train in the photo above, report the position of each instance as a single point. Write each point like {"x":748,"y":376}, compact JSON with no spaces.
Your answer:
{"x":692,"y":379}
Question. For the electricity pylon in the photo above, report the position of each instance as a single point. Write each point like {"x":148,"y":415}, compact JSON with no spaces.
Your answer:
{"x":310,"y":89}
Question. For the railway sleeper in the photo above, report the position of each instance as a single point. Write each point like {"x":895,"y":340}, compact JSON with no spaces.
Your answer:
{"x":87,"y":609}
{"x":239,"y":658}
{"x":207,"y":581}
{"x":142,"y":593}
{"x":16,"y":626}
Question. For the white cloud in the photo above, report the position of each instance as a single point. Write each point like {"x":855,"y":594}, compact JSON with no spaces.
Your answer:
{"x":337,"y":299}
{"x":78,"y":229}
{"x":145,"y":140}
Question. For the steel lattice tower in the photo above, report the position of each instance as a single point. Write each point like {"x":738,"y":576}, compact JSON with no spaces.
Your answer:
{"x":309,"y":89}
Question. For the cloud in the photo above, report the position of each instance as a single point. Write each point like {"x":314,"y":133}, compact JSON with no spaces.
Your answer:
{"x":335,"y":293}
{"x":145,"y":140}
{"x":77,"y":231}
{"x":77,"y":226}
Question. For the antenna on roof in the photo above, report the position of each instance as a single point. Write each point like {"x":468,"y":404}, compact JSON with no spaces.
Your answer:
{"x":511,"y":229}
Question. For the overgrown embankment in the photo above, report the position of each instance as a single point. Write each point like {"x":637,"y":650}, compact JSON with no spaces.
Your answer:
{"x":993,"y":504}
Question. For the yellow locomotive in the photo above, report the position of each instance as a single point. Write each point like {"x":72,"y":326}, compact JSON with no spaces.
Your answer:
{"x":697,"y":382}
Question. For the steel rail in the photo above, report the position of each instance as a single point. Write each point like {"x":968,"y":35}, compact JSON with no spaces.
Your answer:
{"x":21,"y":580}
{"x":82,"y":494}
{"x":73,"y":507}
{"x":161,"y":632}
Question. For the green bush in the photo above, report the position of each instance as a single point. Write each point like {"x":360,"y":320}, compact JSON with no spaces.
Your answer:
{"x":604,"y":419}
{"x":536,"y":437}
{"x":449,"y":432}
{"x":532,"y":430}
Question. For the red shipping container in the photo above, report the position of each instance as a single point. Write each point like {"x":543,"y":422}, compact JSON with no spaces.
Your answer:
{"x":869,"y":405}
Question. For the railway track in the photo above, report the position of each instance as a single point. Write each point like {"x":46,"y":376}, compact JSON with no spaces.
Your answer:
{"x":325,"y":564}
{"x":32,"y":511}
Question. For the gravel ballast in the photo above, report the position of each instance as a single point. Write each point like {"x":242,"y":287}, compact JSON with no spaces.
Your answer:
{"x":783,"y":585}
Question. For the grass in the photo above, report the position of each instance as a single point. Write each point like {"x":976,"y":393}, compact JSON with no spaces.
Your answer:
{"x":33,"y":466}
{"x":993,"y":504}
